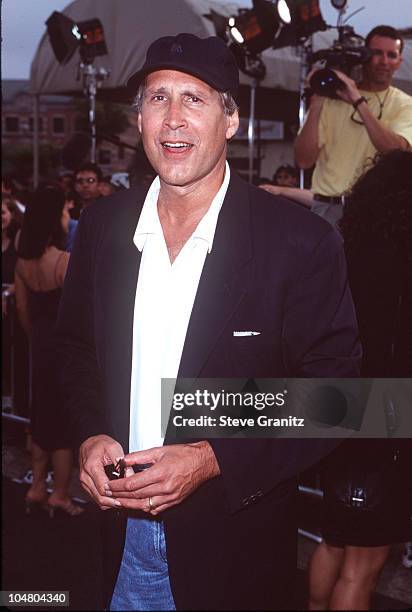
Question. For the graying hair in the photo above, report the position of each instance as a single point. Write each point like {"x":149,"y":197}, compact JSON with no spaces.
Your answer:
{"x":228,"y":101}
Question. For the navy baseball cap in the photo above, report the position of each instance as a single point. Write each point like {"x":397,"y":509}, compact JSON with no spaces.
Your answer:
{"x":208,"y":59}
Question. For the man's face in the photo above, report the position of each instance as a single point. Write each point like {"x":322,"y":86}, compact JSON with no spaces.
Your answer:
{"x":384,"y":62}
{"x":66,"y":182}
{"x":284,"y":179}
{"x":184,"y":128}
{"x":87,"y":186}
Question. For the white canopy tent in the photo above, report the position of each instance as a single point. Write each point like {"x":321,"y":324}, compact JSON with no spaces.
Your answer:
{"x":131,"y":25}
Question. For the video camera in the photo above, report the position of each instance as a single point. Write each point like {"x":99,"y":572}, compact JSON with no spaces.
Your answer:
{"x":346,"y":53}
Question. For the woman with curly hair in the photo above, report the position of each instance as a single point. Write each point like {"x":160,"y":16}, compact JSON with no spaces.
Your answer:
{"x":39,"y":278}
{"x":377,"y":229}
{"x":365,"y":505}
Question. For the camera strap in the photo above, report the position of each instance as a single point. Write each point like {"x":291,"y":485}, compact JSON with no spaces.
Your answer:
{"x":359,"y":101}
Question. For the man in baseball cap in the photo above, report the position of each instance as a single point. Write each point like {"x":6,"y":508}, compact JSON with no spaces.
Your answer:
{"x":168,"y":284}
{"x":208,"y":59}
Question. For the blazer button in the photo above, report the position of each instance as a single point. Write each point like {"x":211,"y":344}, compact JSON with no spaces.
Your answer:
{"x":255,"y":497}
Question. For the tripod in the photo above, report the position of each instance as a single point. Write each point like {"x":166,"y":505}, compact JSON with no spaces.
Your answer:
{"x":92,"y":78}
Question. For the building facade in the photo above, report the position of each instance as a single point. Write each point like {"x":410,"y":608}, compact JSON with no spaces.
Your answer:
{"x":59,"y":122}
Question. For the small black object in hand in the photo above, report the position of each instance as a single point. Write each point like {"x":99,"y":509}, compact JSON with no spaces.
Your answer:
{"x":114,"y":472}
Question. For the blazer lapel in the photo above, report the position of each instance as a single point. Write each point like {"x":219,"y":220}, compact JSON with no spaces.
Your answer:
{"x":222,"y":284}
{"x":121,"y":267}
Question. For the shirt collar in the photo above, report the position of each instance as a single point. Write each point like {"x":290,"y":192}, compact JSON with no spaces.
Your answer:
{"x":149,"y":222}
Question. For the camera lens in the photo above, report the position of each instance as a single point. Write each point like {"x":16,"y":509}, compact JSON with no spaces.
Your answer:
{"x":325,"y":82}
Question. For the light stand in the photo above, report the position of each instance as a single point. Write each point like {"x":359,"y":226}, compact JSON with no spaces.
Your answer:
{"x":66,"y":36}
{"x":268,"y":24}
{"x":253,"y":66}
{"x":92,"y":79}
{"x":257,"y":69}
{"x":251,"y":128}
{"x":304,"y":51}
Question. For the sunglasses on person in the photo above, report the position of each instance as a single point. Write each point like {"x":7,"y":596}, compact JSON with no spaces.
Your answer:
{"x":83,"y":181}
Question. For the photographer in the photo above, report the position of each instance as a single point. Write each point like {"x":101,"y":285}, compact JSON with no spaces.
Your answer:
{"x":339,"y":136}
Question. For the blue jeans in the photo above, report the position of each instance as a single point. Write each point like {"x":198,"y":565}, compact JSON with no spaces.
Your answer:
{"x":143,"y":580}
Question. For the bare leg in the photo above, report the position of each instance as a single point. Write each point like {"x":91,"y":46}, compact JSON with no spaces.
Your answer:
{"x":358,"y":578}
{"x":324,"y":568}
{"x":62,"y":461}
{"x":39,"y":460}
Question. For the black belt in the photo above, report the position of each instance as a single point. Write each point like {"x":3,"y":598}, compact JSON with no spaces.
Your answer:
{"x":329,"y":199}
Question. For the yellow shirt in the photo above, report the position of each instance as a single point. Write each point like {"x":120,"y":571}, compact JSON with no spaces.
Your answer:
{"x":346,"y":149}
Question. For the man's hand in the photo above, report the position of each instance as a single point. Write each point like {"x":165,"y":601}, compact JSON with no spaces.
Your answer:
{"x":382,"y":138}
{"x":274,"y":189}
{"x":302,"y":196}
{"x":176,"y":472}
{"x":95,"y":453}
{"x":350,"y":93}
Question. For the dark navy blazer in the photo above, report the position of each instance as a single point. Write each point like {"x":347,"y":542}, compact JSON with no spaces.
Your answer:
{"x":274,"y":267}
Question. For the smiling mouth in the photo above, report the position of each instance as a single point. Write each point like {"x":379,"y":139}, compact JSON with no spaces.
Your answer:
{"x":176,"y":146}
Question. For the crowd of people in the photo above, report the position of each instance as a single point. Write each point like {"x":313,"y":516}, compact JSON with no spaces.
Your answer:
{"x":77,"y":189}
{"x":37,"y":238}
{"x":143,"y":299}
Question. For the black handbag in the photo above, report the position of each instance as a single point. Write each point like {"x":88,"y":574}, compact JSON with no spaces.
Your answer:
{"x":365,"y":500}
{"x":363,"y":485}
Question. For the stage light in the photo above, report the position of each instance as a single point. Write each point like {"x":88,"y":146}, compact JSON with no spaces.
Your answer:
{"x":92,"y":42}
{"x":255,"y":28}
{"x":283,"y":12}
{"x":275,"y":23}
{"x":234,"y":32}
{"x":66,"y":36}
{"x":300,"y":17}
{"x":62,"y":38}
{"x":76,"y":33}
{"x":244,"y":29}
{"x":237,"y":35}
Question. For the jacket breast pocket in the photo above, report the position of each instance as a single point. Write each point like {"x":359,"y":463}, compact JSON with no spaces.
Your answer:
{"x":250,"y":355}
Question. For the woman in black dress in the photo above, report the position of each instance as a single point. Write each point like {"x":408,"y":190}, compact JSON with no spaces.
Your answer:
{"x":11,"y":219}
{"x":39,"y":277}
{"x":365,"y":481}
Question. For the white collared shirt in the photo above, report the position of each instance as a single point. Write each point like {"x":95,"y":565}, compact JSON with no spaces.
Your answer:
{"x":165,"y":295}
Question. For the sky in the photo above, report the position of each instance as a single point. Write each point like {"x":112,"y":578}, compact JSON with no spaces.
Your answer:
{"x":22,"y":25}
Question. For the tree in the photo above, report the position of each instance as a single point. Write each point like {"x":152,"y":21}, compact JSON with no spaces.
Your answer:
{"x":111,"y":121}
{"x":111,"y":118}
{"x":18,"y":160}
